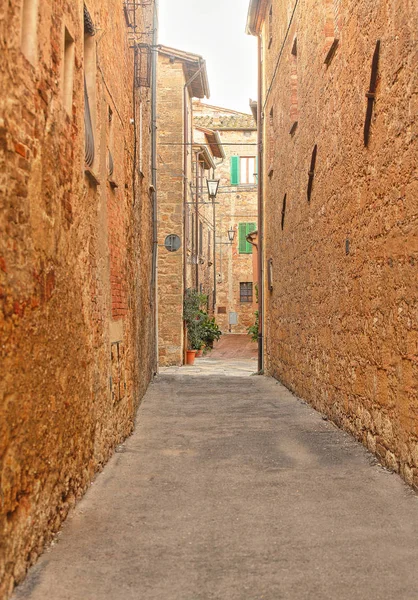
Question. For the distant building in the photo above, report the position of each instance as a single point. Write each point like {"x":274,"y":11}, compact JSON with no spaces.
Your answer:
{"x":236,"y":211}
{"x":186,"y":159}
{"x":339,"y":139}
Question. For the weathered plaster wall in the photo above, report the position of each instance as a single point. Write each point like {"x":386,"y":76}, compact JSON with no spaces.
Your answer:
{"x":341,"y":322}
{"x":76,"y":350}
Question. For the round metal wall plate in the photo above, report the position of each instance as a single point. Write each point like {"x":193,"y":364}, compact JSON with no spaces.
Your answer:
{"x":172,"y":243}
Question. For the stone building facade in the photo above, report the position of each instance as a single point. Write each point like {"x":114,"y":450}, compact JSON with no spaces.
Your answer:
{"x":235,"y":210}
{"x":340,"y":229}
{"x":76,"y":292}
{"x":186,"y":157}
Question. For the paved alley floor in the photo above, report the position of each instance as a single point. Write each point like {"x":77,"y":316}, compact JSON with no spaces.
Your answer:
{"x":232,"y":346}
{"x":233,"y":489}
{"x":232,"y":356}
{"x":214,"y":367}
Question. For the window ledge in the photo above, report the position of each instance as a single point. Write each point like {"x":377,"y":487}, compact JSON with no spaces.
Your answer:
{"x":113,"y":184}
{"x":91,"y":175}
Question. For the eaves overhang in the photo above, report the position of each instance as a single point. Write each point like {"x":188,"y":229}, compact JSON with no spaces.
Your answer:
{"x":194,"y":67}
{"x":205,"y":156}
{"x":214,"y":141}
{"x":256,"y":16}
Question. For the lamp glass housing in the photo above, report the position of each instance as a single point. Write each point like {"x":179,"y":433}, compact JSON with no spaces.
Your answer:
{"x":231,"y":234}
{"x":213,"y":185}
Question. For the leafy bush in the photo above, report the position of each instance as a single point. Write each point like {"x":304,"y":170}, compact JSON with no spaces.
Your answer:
{"x":201,"y":329}
{"x":253,"y":329}
{"x":194,"y":316}
{"x":210,"y":331}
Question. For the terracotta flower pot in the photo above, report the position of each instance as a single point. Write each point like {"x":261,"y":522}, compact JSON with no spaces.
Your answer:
{"x":199,"y":353}
{"x":190,"y":356}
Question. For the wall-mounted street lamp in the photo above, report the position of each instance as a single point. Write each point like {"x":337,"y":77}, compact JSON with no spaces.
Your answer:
{"x":213,"y":185}
{"x":231,"y":237}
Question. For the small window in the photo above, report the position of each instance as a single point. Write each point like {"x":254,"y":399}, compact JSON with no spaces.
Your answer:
{"x":243,"y":170}
{"x":244,"y":229}
{"x":89,"y":88}
{"x":283,"y":211}
{"x":247,"y":169}
{"x":110,"y":135}
{"x":68,"y":72}
{"x":200,"y":239}
{"x":295,"y":47}
{"x":246,"y":292}
{"x":141,"y":138}
{"x":29,"y":32}
{"x":193,"y":233}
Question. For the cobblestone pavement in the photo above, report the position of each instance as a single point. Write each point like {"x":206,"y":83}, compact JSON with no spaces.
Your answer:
{"x":214,"y":366}
{"x":235,"y":346}
{"x":232,"y":356}
{"x":231,"y":488}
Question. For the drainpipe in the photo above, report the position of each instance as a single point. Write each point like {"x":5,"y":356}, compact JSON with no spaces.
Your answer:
{"x":185,"y":183}
{"x":197,"y":230}
{"x":154,"y":179}
{"x":215,"y":283}
{"x":260,"y":117}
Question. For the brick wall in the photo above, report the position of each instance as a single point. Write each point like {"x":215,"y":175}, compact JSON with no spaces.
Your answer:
{"x":76,"y":350}
{"x":341,"y":322}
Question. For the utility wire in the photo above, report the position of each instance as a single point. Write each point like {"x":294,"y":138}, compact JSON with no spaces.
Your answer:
{"x":280,"y":54}
{"x":201,"y":144}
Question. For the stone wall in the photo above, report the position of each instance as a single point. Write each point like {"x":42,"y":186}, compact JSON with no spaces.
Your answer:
{"x":341,"y":321}
{"x":170,"y":110}
{"x":76,"y":305}
{"x":235,"y":204}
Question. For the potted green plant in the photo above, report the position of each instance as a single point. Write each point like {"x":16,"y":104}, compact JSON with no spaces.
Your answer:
{"x":210,"y":331}
{"x":194,"y":316}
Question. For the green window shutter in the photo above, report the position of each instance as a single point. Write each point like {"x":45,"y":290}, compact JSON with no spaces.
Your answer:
{"x":250,"y":228}
{"x":242,"y":234}
{"x":234,"y":170}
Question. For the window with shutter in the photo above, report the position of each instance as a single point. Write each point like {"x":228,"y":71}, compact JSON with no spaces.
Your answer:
{"x":248,"y":170}
{"x":235,"y":177}
{"x":244,"y":229}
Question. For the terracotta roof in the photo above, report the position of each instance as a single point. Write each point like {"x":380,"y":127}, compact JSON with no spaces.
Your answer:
{"x":192,"y":64}
{"x":218,"y":118}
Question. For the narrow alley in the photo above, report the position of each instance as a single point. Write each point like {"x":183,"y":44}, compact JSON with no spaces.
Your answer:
{"x":208,"y":300}
{"x":234,"y":488}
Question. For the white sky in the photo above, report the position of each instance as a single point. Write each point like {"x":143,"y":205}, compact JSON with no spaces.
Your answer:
{"x":215,"y":29}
